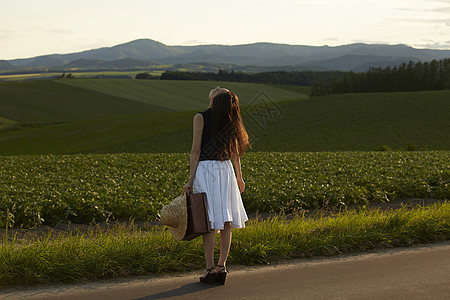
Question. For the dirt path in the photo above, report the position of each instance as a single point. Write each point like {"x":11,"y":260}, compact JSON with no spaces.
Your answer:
{"x":421,"y":272}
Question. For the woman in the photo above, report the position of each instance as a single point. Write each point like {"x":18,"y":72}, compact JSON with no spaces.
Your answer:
{"x":219,"y":135}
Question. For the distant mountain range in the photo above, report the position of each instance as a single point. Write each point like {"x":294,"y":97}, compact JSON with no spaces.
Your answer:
{"x":147,"y":54}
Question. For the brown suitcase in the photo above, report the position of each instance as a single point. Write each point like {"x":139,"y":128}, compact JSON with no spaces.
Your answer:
{"x":198,"y":220}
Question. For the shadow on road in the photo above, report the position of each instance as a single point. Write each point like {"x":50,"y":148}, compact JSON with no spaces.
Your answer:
{"x":181,"y":291}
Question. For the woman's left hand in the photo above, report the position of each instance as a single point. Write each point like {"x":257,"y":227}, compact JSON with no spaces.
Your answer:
{"x":187,"y":188}
{"x":241,"y":185}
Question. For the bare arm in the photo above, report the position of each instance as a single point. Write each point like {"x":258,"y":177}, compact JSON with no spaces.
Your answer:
{"x":195,"y":151}
{"x":237,"y":168}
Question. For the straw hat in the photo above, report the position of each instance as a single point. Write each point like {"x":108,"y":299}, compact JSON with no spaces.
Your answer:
{"x":174,"y":215}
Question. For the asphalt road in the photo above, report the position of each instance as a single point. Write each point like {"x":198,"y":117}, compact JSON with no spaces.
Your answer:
{"x":421,"y":272}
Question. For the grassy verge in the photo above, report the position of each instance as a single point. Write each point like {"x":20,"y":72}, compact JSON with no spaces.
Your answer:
{"x":124,"y":251}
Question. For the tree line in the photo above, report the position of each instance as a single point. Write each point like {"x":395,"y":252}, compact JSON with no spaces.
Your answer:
{"x":305,"y":78}
{"x":414,"y":76}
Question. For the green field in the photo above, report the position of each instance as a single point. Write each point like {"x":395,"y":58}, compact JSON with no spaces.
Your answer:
{"x":84,"y":188}
{"x":174,"y":95}
{"x":76,"y":73}
{"x":108,"y":115}
{"x":51,"y":101}
{"x":353,"y":122}
{"x":87,"y":116}
{"x":137,"y":116}
{"x":89,"y":151}
{"x":5,"y":123}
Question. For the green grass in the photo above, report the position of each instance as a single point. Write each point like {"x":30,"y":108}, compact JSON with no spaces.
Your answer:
{"x":106,"y":115}
{"x":50,"y":101}
{"x":294,"y":88}
{"x":5,"y":123}
{"x":109,"y":135}
{"x":123,"y":251}
{"x":93,"y":188}
{"x":87,"y":74}
{"x":78,"y":74}
{"x":176,"y":95}
{"x":141,"y":116}
{"x":352,"y":122}
{"x":34,"y":76}
{"x":364,"y":122}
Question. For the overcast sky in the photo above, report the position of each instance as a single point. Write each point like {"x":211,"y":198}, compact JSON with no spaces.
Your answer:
{"x":37,"y":27}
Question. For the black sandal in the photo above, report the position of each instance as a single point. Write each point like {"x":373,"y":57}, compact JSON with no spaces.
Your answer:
{"x":221,"y":275}
{"x":209,"y":277}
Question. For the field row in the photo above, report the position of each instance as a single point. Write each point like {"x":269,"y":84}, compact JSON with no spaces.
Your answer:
{"x":49,"y":189}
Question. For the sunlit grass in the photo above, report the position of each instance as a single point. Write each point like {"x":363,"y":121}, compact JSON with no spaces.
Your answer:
{"x":125,"y":251}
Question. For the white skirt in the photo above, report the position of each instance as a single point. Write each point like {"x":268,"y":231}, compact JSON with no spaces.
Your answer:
{"x":217,"y":179}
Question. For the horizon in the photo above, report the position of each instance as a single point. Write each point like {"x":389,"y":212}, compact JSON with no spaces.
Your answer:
{"x":31,"y":28}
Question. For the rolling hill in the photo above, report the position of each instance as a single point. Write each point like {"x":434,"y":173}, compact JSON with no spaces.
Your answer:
{"x":111,"y":116}
{"x":353,"y":122}
{"x":87,"y":115}
{"x":178,"y":95}
{"x":52,"y":102}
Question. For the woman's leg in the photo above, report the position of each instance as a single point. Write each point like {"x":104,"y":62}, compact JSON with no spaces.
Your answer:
{"x":225,"y":242}
{"x":208,"y":246}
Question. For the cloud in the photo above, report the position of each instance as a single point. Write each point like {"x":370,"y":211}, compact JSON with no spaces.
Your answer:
{"x":30,"y":32}
{"x":58,"y":31}
{"x":445,"y":21}
{"x":332,"y":39}
{"x":444,"y":10}
{"x":408,"y":9}
{"x":434,"y":45}
{"x":441,"y":1}
{"x":5,"y":33}
{"x":193,"y":42}
{"x":425,"y":14}
{"x":365,"y":41}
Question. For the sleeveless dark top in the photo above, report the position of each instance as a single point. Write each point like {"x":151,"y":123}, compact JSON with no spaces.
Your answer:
{"x":208,"y":151}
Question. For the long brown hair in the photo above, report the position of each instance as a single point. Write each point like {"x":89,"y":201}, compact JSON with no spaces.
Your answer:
{"x":228,"y":132}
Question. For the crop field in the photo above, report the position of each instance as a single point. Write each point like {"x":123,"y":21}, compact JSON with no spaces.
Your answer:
{"x":48,"y":189}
